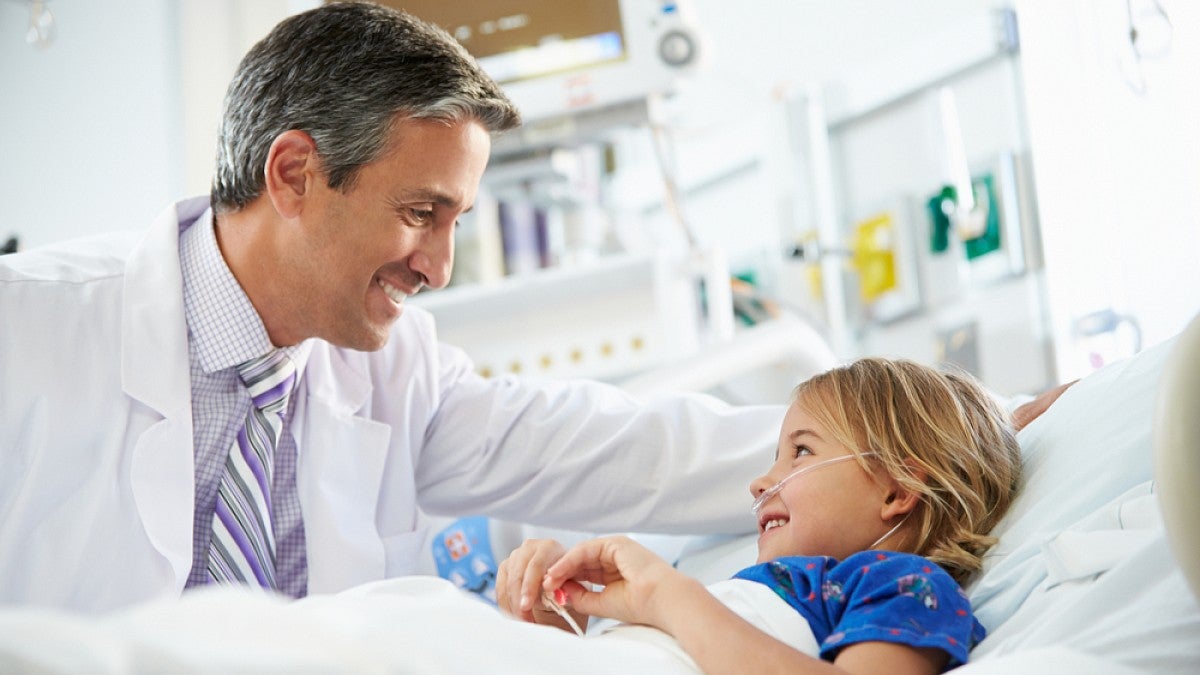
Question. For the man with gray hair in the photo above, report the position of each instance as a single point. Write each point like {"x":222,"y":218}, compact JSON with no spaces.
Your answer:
{"x":240,"y":395}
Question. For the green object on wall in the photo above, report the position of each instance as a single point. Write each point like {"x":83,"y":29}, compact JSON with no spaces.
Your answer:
{"x":940,"y":223}
{"x":985,"y":197}
{"x":939,"y":220}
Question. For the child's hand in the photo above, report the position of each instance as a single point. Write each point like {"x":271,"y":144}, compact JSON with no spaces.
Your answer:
{"x":519,"y":583}
{"x":638,"y":585}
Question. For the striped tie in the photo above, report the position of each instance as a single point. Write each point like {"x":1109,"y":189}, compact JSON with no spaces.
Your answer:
{"x":243,"y":543}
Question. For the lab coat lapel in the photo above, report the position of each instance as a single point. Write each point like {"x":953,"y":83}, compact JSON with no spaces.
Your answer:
{"x":154,"y":371}
{"x":339,"y":471}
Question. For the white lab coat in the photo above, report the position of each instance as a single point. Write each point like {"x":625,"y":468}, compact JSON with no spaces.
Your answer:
{"x":96,"y":457}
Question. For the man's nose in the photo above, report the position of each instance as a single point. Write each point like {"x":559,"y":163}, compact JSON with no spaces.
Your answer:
{"x":435,"y":258}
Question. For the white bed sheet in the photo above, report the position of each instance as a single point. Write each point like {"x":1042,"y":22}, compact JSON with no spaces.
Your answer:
{"x":407,"y":625}
{"x":1115,"y":593}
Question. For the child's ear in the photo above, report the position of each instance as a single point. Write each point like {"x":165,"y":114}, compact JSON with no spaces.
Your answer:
{"x":898,"y":501}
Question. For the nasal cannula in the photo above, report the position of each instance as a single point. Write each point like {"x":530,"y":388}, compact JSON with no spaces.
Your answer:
{"x":774,"y":489}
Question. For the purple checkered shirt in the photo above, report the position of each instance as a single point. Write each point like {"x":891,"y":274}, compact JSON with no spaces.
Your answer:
{"x":224,"y":330}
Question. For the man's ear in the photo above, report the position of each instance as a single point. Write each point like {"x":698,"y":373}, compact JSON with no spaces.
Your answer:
{"x":290,"y":171}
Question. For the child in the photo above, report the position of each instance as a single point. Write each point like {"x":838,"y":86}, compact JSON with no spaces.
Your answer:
{"x":887,"y":477}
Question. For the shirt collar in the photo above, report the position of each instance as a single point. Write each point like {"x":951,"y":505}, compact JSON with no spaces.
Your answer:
{"x":224,"y":326}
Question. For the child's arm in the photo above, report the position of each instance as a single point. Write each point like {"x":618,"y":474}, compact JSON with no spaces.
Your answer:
{"x":640,"y":587}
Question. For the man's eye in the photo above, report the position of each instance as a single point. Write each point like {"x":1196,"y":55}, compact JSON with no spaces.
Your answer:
{"x":421,"y":215}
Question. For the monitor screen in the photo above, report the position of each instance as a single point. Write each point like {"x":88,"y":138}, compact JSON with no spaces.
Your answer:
{"x":516,"y":40}
{"x":560,"y":58}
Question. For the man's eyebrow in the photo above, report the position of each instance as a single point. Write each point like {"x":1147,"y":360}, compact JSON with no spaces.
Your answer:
{"x":439,"y":198}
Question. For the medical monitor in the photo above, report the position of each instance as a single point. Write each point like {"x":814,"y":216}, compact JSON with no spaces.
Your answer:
{"x":562,"y":57}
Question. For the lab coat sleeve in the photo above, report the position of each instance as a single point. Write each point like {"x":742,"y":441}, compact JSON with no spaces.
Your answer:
{"x":588,"y":456}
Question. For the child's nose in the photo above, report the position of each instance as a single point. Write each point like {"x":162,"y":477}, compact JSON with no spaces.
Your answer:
{"x":759,"y":485}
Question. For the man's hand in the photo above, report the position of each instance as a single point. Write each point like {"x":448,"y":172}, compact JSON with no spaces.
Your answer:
{"x":519,"y":583}
{"x":1028,"y":412}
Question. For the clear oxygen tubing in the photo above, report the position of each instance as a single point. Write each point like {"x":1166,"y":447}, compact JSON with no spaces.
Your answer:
{"x":776,"y":488}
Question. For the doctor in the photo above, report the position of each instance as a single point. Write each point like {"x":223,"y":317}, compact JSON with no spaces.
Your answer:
{"x":353,"y":137}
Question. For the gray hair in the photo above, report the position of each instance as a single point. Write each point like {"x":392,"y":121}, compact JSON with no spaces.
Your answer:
{"x":343,"y":73}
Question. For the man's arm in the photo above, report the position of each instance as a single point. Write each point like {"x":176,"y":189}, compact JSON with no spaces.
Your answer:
{"x":1028,"y":412}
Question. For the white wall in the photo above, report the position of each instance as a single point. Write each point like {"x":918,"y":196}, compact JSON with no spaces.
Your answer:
{"x":1118,"y":172}
{"x":213,"y":36}
{"x":89,"y":127}
{"x":117,"y":117}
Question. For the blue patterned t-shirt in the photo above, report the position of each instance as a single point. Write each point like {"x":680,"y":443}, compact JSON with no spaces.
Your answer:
{"x":874,"y":596}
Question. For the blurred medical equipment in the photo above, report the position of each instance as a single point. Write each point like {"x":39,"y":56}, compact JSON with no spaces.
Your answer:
{"x":915,"y":219}
{"x":42,"y":28}
{"x":1106,"y":335}
{"x":1150,"y":32}
{"x":578,"y":71}
{"x":572,"y":67}
{"x":610,"y":319}
{"x":762,"y":365}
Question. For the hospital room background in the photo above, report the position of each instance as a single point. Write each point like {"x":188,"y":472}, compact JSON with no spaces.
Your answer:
{"x":725,"y":196}
{"x":811,"y":151}
{"x":806,"y":149}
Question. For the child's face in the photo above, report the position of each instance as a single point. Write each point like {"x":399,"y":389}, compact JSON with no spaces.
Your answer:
{"x":835,"y":510}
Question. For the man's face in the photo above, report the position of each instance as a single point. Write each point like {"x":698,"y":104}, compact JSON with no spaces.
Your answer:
{"x":361,"y":252}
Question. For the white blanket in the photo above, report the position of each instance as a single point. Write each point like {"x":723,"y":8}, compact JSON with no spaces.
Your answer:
{"x":409,"y":625}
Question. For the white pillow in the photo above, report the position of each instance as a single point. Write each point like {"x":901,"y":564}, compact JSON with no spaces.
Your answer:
{"x":1091,"y":446}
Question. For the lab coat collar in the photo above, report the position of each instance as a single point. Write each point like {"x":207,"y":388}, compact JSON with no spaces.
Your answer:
{"x":155,"y":372}
{"x":154,"y":358}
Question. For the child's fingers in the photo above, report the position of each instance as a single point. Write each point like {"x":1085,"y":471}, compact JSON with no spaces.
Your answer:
{"x":582,"y":562}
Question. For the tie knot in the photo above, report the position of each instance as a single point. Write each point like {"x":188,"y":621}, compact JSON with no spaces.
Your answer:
{"x":268,"y":378}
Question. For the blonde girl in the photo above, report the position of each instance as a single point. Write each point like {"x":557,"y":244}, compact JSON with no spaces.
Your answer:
{"x":887,"y":477}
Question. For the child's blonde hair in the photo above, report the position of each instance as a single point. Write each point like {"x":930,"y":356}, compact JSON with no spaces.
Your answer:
{"x":939,"y":435}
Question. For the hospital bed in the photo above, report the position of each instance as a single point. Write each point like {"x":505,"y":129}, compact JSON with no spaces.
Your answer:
{"x":1085,"y":578}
